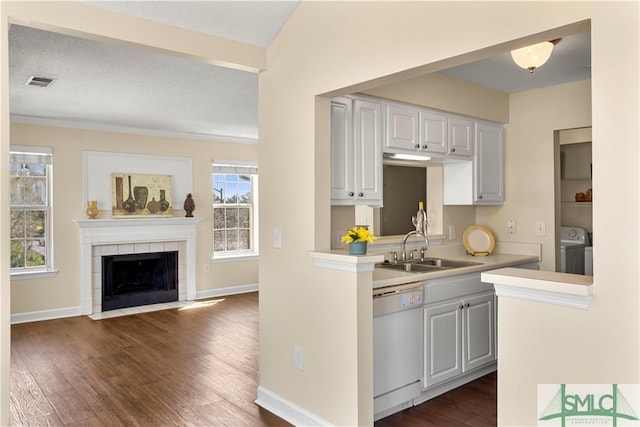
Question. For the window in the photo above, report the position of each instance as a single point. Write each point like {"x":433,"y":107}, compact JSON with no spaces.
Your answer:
{"x":234,"y":210}
{"x":30,"y":209}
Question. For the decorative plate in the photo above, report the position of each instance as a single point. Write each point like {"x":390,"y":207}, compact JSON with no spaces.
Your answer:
{"x":478,"y":240}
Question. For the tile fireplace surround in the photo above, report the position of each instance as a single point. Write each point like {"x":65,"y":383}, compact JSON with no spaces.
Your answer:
{"x":136,"y":235}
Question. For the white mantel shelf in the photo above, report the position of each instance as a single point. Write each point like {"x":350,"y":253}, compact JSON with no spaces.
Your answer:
{"x":137,"y":221}
{"x":569,"y":290}
{"x":115,"y":231}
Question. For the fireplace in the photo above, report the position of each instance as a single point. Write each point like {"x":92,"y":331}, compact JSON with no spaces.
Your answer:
{"x":123,"y":236}
{"x":139,"y":279}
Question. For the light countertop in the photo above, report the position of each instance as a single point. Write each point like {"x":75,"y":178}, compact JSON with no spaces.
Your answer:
{"x":387,"y":277}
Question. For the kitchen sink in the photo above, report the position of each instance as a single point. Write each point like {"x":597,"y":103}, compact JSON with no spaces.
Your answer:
{"x":426,"y":265}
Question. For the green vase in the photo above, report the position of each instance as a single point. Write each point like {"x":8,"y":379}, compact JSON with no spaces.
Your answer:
{"x":358,"y":248}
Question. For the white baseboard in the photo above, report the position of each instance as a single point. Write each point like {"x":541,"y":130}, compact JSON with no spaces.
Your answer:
{"x":60,"y":313}
{"x":35,"y":316}
{"x":231,"y":290}
{"x":287,"y":410}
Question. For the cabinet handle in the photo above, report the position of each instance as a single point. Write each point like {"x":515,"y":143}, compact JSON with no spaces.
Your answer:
{"x":480,"y":196}
{"x":453,"y":150}
{"x":467,"y":305}
{"x":417,"y":146}
{"x":424,"y":147}
{"x":461,"y":306}
{"x":360,"y":194}
{"x":351,"y":194}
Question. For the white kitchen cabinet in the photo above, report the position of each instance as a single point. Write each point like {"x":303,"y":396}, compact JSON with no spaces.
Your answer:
{"x":480,"y":181}
{"x":356,"y":152}
{"x":443,"y":342}
{"x":411,"y":129}
{"x":433,"y":132}
{"x":460,"y":328}
{"x":489,"y":163}
{"x":402,"y":125}
{"x":460,"y":136}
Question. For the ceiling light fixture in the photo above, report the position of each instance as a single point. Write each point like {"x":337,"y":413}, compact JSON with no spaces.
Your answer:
{"x":531,"y":57}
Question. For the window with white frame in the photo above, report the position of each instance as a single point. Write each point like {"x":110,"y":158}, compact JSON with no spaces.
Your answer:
{"x":234,"y":209}
{"x":30,"y":209}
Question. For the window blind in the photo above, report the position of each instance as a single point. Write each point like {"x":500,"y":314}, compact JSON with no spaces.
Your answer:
{"x":30,"y":155}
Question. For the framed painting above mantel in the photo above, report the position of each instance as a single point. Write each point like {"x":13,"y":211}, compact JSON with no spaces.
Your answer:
{"x":140,"y":195}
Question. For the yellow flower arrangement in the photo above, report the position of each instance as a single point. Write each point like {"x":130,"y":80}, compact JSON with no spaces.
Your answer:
{"x":358,"y":234}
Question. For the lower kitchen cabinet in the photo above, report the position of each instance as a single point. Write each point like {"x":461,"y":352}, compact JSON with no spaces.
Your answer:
{"x":459,"y":336}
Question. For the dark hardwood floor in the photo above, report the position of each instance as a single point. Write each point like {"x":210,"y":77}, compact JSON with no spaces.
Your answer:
{"x":194,"y":367}
{"x":474,"y":404}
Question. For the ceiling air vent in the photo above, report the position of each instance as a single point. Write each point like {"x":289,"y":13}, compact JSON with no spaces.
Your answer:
{"x":39,"y":81}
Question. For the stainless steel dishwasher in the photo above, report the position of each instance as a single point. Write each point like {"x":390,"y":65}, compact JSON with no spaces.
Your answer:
{"x":397,"y":347}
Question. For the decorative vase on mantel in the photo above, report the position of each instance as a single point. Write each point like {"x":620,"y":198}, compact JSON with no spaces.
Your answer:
{"x":92,"y":209}
{"x":358,"y":248}
{"x":189,"y":206}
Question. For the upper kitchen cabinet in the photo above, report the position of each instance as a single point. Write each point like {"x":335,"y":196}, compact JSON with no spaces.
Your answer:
{"x":481,"y":181}
{"x":411,"y":129}
{"x":356,"y":152}
{"x":460,"y":136}
{"x":402,"y":128}
{"x":489,"y":163}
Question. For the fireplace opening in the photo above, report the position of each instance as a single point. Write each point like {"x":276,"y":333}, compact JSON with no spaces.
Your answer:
{"x":139,"y":279}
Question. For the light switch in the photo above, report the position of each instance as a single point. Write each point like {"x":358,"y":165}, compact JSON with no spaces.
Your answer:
{"x":541,"y":228}
{"x":277,"y":238}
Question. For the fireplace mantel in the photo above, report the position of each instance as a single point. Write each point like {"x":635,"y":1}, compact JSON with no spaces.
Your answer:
{"x":114,"y":231}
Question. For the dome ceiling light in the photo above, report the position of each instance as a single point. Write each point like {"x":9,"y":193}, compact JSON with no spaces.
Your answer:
{"x":531,"y":57}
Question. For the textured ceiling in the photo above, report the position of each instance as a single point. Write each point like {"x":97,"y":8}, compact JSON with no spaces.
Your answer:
{"x":115,"y":87}
{"x":107,"y":86}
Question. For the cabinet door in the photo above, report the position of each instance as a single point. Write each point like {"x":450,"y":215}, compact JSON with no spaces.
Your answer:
{"x":460,"y":136}
{"x":342,"y":150}
{"x":479,"y":345}
{"x":367,"y":125}
{"x":402,"y":128}
{"x":489,"y":163}
{"x":433,"y":132}
{"x":442,"y":344}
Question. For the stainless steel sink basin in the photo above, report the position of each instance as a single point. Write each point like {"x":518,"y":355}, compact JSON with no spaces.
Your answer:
{"x":445,"y":263}
{"x":426,"y":265}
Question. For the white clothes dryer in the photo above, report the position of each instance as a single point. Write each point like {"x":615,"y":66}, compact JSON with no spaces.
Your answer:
{"x":573,"y":241}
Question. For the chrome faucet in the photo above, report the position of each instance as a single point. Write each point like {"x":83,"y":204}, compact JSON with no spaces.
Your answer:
{"x":404,"y":244}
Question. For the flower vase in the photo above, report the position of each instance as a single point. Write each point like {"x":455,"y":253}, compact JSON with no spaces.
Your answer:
{"x":358,"y":248}
{"x":92,"y":209}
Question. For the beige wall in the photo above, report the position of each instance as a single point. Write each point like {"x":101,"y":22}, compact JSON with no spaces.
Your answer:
{"x":446,"y":93}
{"x":63,"y":291}
{"x":529,"y":163}
{"x":331,"y":47}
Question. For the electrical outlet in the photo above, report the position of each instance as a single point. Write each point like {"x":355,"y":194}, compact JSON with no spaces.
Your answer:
{"x":452,"y":232}
{"x":541,"y":228}
{"x":206,"y":268}
{"x":298,"y":357}
{"x":511,"y":227}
